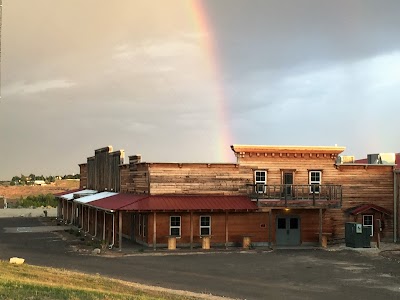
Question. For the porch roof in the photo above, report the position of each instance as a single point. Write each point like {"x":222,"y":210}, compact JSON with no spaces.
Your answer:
{"x":116,"y":202}
{"x":81,"y":193}
{"x":66,"y":192}
{"x":134,"y":202}
{"x":359,"y":209}
{"x":94,"y":197}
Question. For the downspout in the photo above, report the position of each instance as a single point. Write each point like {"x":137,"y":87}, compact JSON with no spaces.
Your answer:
{"x":113,"y":232}
{"x":88,"y":220}
{"x":395,"y":206}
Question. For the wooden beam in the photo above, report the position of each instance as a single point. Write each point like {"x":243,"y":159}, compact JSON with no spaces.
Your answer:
{"x":95,"y":223}
{"x":120,"y":231}
{"x":191,"y":230}
{"x":226,"y":230}
{"x":154,"y":230}
{"x":320,"y":227}
{"x":104,"y":225}
{"x":270,"y":228}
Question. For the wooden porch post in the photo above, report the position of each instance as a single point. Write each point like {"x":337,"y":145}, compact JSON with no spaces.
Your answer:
{"x":191,"y":230}
{"x":270,"y":228}
{"x":88,"y":219}
{"x":226,"y":230}
{"x":104,"y":225}
{"x":81,"y":217}
{"x":320,"y":227}
{"x":95,"y":223}
{"x":154,"y":230}
{"x":63,"y":213}
{"x":120,"y":230}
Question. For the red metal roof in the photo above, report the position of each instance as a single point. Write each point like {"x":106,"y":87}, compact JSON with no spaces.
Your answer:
{"x":365,"y":207}
{"x":131,"y":202}
{"x":365,"y":161}
{"x":191,"y":203}
{"x":67,"y":192}
{"x":116,"y":202}
{"x":361,"y":161}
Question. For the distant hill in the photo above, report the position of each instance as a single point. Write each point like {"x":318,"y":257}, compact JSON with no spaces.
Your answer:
{"x":18,"y":191}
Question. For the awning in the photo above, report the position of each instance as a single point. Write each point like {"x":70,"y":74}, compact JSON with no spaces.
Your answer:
{"x":66,"y":192}
{"x":94,"y":197}
{"x":80,"y":193}
{"x":131,"y":202}
{"x":359,"y":209}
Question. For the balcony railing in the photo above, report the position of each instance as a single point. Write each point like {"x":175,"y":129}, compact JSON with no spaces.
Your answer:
{"x":294,"y":195}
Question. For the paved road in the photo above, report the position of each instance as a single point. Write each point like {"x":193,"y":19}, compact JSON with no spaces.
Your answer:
{"x":282,"y":274}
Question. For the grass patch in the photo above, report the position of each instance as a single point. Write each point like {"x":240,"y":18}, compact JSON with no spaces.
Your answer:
{"x":31,"y":282}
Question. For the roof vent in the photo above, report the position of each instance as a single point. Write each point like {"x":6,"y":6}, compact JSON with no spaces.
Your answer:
{"x":345,"y":159}
{"x":382,"y":159}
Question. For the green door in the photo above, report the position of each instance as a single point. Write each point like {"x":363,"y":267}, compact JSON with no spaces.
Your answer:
{"x":287,"y":231}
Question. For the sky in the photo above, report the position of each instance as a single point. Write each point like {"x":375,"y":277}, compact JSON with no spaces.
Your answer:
{"x":183,"y":80}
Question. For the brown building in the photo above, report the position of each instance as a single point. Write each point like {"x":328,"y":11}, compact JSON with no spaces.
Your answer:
{"x":273,"y":195}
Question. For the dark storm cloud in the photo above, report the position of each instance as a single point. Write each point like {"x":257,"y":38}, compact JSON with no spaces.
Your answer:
{"x":79,"y":75}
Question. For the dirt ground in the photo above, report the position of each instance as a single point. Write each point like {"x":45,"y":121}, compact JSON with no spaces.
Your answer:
{"x":15,"y":192}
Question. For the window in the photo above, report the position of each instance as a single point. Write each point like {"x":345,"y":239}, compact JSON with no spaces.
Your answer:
{"x":175,"y":226}
{"x":315,"y":181}
{"x":368,"y":221}
{"x":205,"y":225}
{"x":260,"y":180}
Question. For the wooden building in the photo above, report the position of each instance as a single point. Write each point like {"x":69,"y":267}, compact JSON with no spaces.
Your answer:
{"x":276,"y":195}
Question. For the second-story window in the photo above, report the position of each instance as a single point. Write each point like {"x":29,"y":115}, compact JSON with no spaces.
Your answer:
{"x":315,"y":181}
{"x":260,"y":180}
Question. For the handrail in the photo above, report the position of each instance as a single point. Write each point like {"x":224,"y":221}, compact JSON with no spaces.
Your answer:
{"x":289,"y":192}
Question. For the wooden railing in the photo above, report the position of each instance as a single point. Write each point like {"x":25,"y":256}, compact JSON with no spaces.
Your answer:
{"x":319,"y":195}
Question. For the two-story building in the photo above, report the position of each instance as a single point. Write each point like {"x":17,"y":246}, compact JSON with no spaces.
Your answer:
{"x":277,"y":195}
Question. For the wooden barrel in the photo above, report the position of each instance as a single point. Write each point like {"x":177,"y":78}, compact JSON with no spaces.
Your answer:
{"x":246,"y":242}
{"x":205,"y":242}
{"x":171,"y":243}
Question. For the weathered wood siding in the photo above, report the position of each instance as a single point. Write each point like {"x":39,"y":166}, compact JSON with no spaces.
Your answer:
{"x":103,"y":172}
{"x":300,"y":164}
{"x":115,"y":159}
{"x":192,"y":178}
{"x":361,"y":184}
{"x":372,"y":184}
{"x":83,"y":182}
{"x":138,"y":176}
{"x":91,"y":174}
{"x":125,"y":178}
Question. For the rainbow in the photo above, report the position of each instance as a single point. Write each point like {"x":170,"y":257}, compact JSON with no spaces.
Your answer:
{"x":209,"y":45}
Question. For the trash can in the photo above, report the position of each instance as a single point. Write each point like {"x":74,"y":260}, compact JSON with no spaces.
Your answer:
{"x":357,"y":235}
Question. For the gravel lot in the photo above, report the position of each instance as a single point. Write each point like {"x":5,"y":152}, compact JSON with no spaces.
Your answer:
{"x":279,"y":274}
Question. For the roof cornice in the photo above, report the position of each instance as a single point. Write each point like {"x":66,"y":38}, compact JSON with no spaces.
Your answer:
{"x":238,"y":149}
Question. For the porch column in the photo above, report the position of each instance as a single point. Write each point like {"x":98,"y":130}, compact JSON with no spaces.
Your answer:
{"x":95,"y":223}
{"x":120,"y":230}
{"x":191,"y":230}
{"x":72,"y":212}
{"x":104,"y":226}
{"x":83,"y":221}
{"x":154,"y":230}
{"x":320,"y":227}
{"x":270,"y":228}
{"x":64,"y":210}
{"x":88,"y":219}
{"x":226,"y":230}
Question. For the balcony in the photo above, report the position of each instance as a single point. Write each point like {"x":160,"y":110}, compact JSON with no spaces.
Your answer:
{"x":293,"y":195}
